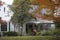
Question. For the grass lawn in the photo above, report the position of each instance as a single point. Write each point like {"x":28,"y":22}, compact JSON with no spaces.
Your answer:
{"x":30,"y":38}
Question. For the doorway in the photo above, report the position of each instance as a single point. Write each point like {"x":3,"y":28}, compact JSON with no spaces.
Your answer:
{"x":30,"y":27}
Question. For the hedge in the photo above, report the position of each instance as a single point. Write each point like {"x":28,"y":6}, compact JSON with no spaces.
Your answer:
{"x":10,"y":33}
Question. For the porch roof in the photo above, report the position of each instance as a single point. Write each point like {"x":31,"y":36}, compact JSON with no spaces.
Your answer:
{"x":41,"y":21}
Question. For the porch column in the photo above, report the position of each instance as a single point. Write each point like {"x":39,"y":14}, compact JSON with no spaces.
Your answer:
{"x":24,"y":29}
{"x":8,"y":26}
{"x":53,"y":26}
{"x":1,"y":32}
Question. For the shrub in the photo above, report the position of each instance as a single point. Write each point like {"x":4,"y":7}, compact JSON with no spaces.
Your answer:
{"x":4,"y":33}
{"x":10,"y":33}
{"x":47,"y":33}
{"x":38,"y":33}
{"x":56,"y":33}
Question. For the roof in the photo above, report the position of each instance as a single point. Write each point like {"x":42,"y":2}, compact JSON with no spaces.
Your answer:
{"x":41,"y":21}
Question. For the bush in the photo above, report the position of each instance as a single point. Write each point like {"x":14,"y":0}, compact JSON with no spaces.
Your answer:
{"x":56,"y":33}
{"x":47,"y":33}
{"x":10,"y":33}
{"x":38,"y":33}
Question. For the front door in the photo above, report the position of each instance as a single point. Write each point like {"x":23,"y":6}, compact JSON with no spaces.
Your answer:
{"x":30,"y":27}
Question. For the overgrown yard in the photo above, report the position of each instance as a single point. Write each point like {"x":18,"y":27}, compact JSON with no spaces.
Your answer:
{"x":31,"y":38}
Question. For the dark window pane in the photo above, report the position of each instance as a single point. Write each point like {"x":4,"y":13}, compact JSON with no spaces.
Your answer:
{"x":3,"y":27}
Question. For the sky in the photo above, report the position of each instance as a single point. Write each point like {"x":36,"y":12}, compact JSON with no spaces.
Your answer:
{"x":8,"y":1}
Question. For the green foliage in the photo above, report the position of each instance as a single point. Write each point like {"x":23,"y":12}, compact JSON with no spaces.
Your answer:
{"x":48,"y":33}
{"x":21,"y":14}
{"x":15,"y":2}
{"x":10,"y":33}
{"x":14,"y":19}
{"x":56,"y":33}
{"x":47,"y":15}
{"x":57,"y":25}
{"x":39,"y":33}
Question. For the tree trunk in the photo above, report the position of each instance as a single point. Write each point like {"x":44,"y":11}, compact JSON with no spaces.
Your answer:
{"x":14,"y":27}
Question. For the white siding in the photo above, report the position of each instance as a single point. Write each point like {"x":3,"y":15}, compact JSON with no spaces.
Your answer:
{"x":0,"y":27}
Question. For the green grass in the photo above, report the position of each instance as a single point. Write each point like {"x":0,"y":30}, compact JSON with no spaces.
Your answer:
{"x":30,"y":38}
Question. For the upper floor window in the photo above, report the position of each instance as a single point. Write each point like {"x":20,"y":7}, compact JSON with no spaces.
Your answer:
{"x":4,"y":9}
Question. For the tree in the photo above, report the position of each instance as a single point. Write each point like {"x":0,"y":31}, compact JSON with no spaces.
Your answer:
{"x":21,"y":14}
{"x":21,"y":11}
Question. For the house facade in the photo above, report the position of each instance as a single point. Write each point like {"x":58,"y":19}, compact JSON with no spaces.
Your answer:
{"x":5,"y":16}
{"x":42,"y":23}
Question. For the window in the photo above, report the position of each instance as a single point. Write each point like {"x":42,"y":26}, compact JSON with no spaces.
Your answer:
{"x":3,"y":27}
{"x":4,"y":9}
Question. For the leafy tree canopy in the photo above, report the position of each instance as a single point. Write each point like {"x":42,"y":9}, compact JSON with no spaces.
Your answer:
{"x":20,"y":9}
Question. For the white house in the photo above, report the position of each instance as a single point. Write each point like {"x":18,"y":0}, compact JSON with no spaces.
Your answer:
{"x":6,"y":13}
